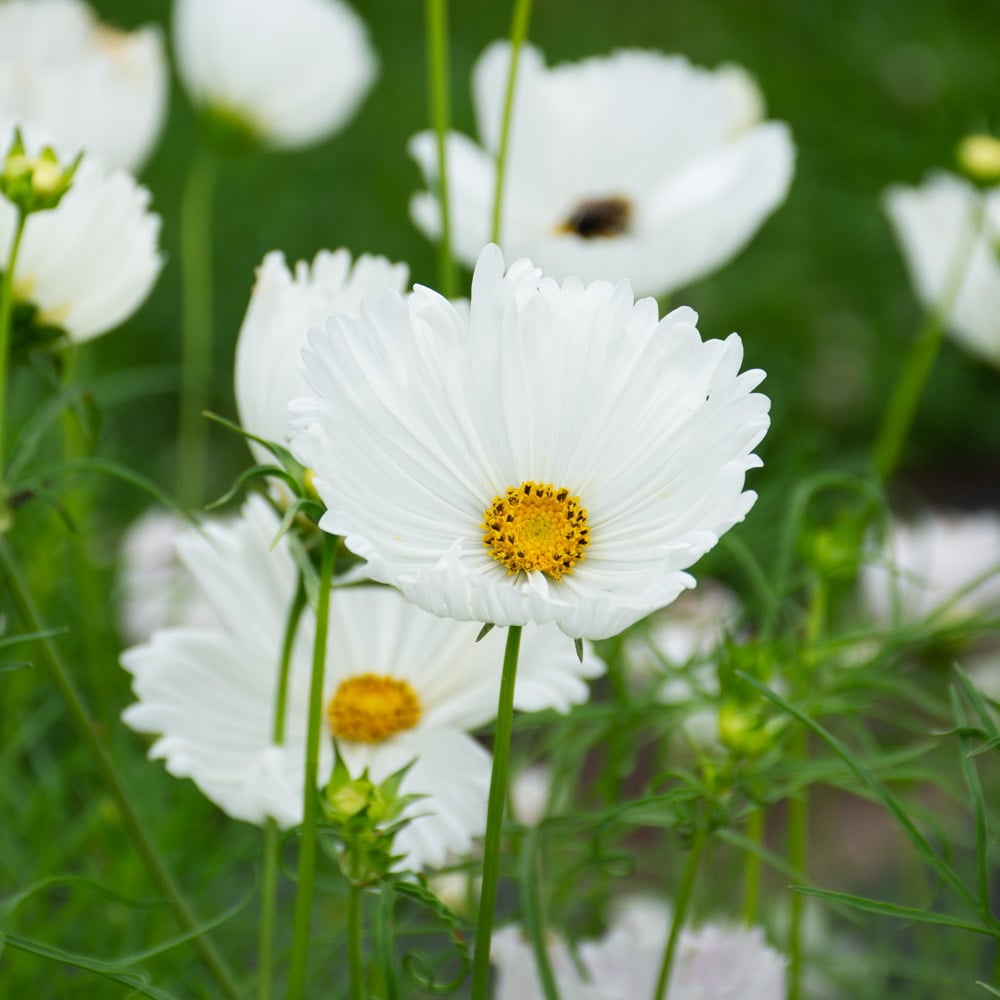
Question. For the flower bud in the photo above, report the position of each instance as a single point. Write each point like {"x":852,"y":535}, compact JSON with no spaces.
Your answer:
{"x":978,"y":158}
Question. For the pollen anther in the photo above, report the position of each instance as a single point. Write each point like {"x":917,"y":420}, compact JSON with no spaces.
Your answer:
{"x":536,"y":526}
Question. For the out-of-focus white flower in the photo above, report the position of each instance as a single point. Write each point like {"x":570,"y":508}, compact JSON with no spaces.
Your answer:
{"x":711,"y":963}
{"x":283,"y":307}
{"x":89,"y":263}
{"x":941,"y":560}
{"x":635,"y":165}
{"x":934,"y":225}
{"x":675,"y":654}
{"x":88,"y":85}
{"x":290,"y":73}
{"x":561,"y":455}
{"x":400,"y":685}
{"x":155,"y":590}
{"x":529,"y":794}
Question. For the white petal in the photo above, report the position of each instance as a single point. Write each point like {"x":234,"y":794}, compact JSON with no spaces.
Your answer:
{"x":86,"y":84}
{"x":934,"y":226}
{"x":294,"y":72}
{"x":283,"y":307}
{"x":89,"y":263}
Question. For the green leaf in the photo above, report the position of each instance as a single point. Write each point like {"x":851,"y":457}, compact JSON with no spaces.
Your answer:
{"x":919,"y":841}
{"x":416,"y":964}
{"x":911,"y":913}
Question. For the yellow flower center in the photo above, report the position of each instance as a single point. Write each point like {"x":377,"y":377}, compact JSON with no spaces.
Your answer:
{"x":370,"y":709}
{"x":536,"y":526}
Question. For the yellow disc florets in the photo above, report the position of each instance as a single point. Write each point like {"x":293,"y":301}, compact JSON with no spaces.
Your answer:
{"x":536,"y":526}
{"x":369,"y":708}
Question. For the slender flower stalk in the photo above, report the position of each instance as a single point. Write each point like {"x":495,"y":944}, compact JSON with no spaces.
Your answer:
{"x":64,"y":684}
{"x":518,"y":33}
{"x":440,"y":98}
{"x":798,"y":806}
{"x":902,"y":406}
{"x":196,"y":336}
{"x":355,"y":957}
{"x":310,"y":802}
{"x":681,"y":905}
{"x":534,"y":916}
{"x":751,"y":877}
{"x":6,"y":308}
{"x":494,"y":815}
{"x":272,"y":832}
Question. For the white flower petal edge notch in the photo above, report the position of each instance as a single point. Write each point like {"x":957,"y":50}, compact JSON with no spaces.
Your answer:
{"x":87,"y":84}
{"x":634,"y":165}
{"x":559,"y":455}
{"x":400,"y":685}
{"x":89,"y":263}
{"x":934,"y":224}
{"x":292,"y":73}
{"x":284,"y":305}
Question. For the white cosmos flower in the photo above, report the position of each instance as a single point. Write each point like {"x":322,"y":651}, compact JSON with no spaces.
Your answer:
{"x":90,"y":86}
{"x":635,"y":165}
{"x":292,"y":72}
{"x":933,"y":225}
{"x":89,"y":263}
{"x":942,"y":563}
{"x":713,"y":962}
{"x":630,"y":436}
{"x":283,"y":307}
{"x":209,"y":692}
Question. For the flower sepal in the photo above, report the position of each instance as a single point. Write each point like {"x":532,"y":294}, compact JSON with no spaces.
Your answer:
{"x":365,"y":817}
{"x":35,"y":183}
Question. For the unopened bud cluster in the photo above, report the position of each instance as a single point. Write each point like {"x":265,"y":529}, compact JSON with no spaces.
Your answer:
{"x":35,"y":183}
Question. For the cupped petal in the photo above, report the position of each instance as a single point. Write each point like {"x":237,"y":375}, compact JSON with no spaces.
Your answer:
{"x":283,"y":306}
{"x":87,"y":84}
{"x":89,"y":263}
{"x":294,"y":73}
{"x":947,"y":224}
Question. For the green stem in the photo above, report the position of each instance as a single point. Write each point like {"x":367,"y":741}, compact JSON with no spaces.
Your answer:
{"x":534,"y":915}
{"x":310,"y":803}
{"x":440,"y":99}
{"x":196,"y":325}
{"x":63,"y":682}
{"x":272,"y":835}
{"x":355,"y":960}
{"x":909,"y":387}
{"x":798,"y":806}
{"x":98,"y":644}
{"x":383,"y":940}
{"x":681,"y":906}
{"x":494,"y":815}
{"x":6,"y":310}
{"x":518,"y":33}
{"x":751,"y":878}
{"x":798,"y":824}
